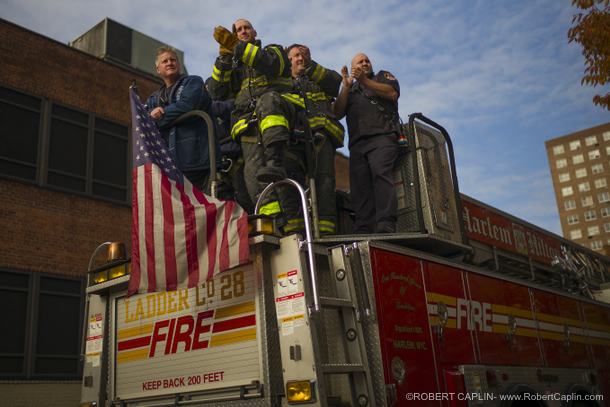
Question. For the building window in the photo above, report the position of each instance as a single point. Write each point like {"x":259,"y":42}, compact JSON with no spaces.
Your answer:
{"x":45,"y":325}
{"x":84,"y":154}
{"x":569,"y":205}
{"x":593,"y":230}
{"x":600,"y":183}
{"x":577,"y":159}
{"x":575,"y":234}
{"x":558,"y":149}
{"x":572,"y":219}
{"x":593,"y":154}
{"x":597,"y":168}
{"x":561,"y":163}
{"x":591,"y":140}
{"x":563,"y":177}
{"x":608,"y":150}
{"x":584,"y":186}
{"x":603,"y":197}
{"x":596,"y":245}
{"x":607,"y":227}
{"x":587,"y":201}
{"x":606,"y":135}
{"x":68,"y":147}
{"x":605,"y":212}
{"x":567,"y":191}
{"x":590,"y":215}
{"x":574,"y":145}
{"x":581,"y":172}
{"x":19,"y":155}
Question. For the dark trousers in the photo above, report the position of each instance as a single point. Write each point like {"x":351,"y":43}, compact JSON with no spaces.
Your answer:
{"x":373,"y":193}
{"x":295,"y":161}
{"x":254,"y":158}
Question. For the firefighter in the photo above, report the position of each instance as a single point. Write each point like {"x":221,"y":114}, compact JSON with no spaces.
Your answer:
{"x":315,"y":88}
{"x":369,"y":101}
{"x":262,"y":118}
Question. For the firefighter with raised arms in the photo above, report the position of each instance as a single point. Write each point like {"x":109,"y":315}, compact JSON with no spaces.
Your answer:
{"x":256,"y":77}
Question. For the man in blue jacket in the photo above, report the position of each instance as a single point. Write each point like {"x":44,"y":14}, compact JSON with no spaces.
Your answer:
{"x":188,"y":140}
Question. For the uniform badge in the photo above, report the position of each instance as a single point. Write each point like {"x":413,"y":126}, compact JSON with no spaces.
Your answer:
{"x":389,"y":76}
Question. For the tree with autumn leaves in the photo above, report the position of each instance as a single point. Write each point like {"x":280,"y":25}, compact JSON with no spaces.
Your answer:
{"x":592,"y":31}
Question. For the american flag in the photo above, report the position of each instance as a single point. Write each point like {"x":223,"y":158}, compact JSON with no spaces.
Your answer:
{"x":180,"y":237}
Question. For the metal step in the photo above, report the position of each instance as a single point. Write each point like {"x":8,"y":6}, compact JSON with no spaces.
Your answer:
{"x":336,"y":302}
{"x":343,"y":368}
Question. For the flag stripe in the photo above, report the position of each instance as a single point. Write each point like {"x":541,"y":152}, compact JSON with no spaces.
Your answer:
{"x":149,"y":228}
{"x":171,"y":274}
{"x":180,"y":235}
{"x":212,"y":241}
{"x":142,"y":231}
{"x":134,"y":279}
{"x":243,"y":247}
{"x":225,"y":255}
{"x":192,"y":238}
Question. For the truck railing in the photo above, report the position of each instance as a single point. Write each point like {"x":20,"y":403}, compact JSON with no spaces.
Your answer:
{"x":593,"y":267}
{"x":413,"y":128}
{"x":308,"y":236}
{"x":211,"y":144}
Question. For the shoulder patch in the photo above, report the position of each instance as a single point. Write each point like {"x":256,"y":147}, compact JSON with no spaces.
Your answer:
{"x":389,"y":76}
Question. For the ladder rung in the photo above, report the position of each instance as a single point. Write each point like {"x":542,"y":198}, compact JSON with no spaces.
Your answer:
{"x":343,"y":368}
{"x":336,"y":302}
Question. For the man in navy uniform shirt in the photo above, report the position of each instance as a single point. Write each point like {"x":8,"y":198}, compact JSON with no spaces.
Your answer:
{"x":373,"y":143}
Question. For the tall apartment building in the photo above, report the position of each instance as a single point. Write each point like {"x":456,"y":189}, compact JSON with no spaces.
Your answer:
{"x":580,"y":168}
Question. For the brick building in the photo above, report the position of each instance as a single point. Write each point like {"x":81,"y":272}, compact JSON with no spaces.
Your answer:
{"x":580,"y":169}
{"x":65,"y":188}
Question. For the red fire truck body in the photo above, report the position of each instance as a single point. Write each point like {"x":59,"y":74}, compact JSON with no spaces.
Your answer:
{"x":464,"y":306}
{"x":564,"y":334}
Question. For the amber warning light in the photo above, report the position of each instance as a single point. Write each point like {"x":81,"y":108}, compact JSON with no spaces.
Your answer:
{"x":116,"y":254}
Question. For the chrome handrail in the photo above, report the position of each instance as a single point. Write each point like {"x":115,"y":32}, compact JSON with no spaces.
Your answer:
{"x":308,"y":238}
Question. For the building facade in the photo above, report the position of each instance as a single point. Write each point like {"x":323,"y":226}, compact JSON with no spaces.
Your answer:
{"x":580,"y":168}
{"x":65,"y":188}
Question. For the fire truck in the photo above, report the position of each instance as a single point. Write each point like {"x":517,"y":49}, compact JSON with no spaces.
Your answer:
{"x":464,"y":305}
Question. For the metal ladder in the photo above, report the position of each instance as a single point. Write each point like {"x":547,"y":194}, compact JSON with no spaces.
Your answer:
{"x":346,"y":304}
{"x":304,"y":344}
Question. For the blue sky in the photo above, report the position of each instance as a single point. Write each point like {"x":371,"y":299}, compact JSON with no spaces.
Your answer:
{"x":499,"y":76}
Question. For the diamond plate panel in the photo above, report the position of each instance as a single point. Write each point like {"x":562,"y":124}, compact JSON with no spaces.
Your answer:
{"x":370,"y":329}
{"x":433,"y":172}
{"x":404,"y":179}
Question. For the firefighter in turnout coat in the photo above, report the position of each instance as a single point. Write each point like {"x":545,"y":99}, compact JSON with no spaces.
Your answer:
{"x":256,"y":77}
{"x":315,"y":88}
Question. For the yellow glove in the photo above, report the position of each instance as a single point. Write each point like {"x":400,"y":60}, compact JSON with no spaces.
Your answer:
{"x":225,"y":38}
{"x":223,"y":50}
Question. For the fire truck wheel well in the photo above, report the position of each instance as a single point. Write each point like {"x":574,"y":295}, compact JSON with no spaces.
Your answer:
{"x":580,"y":390}
{"x":520,"y":389}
